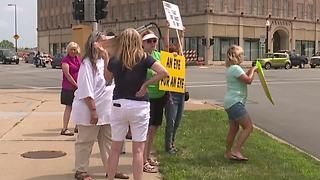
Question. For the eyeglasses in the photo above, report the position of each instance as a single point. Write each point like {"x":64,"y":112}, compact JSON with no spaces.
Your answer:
{"x":151,"y":41}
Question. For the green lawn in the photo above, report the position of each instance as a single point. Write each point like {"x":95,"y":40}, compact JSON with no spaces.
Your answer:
{"x":201,"y":144}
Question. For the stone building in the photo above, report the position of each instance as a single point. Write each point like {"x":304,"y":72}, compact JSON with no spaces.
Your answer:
{"x":211,"y":25}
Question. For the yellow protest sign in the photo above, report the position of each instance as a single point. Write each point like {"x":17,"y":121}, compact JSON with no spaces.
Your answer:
{"x":176,"y":66}
{"x":263,"y":82}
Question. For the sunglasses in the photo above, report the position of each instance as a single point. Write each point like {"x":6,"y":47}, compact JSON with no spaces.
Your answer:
{"x":151,"y":41}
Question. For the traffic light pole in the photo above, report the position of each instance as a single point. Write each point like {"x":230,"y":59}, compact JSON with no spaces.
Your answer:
{"x":89,"y":13}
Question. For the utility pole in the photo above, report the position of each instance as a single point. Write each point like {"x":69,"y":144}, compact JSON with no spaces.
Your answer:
{"x":16,"y":36}
{"x":89,"y":13}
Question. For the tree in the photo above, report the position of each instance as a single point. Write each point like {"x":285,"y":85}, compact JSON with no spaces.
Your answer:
{"x":6,"y":44}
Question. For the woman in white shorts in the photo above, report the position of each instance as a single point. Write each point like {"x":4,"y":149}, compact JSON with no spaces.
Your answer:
{"x":91,"y":110}
{"x":128,"y":68}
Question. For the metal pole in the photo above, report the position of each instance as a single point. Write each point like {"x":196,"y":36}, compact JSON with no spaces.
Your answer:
{"x":267,"y":39}
{"x":15,"y":26}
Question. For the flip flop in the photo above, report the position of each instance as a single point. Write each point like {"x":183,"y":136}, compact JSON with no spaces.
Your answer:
{"x":237,"y":158}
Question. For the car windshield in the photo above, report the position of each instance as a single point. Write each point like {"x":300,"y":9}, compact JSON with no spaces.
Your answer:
{"x":8,"y":53}
{"x":268,"y":55}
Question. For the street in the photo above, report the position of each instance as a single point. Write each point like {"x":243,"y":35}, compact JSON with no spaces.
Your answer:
{"x":295,"y":93}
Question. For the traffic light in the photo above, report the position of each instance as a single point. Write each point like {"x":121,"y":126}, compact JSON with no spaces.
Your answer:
{"x":78,"y":9}
{"x":204,"y":41}
{"x":211,"y":41}
{"x":101,"y":13}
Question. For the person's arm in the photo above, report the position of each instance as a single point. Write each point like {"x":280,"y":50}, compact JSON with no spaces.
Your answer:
{"x":166,"y":37}
{"x":181,"y":37}
{"x":93,"y":110}
{"x":65,"y":70}
{"x":105,"y":56}
{"x":248,"y":76}
{"x":161,"y":73}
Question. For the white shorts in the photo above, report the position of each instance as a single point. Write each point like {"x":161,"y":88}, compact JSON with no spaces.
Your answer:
{"x":129,"y":112}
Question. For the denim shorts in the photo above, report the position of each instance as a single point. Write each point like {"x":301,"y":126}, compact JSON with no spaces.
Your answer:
{"x":237,"y":111}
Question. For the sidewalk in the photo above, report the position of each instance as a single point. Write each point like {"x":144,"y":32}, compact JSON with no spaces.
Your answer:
{"x":31,"y":121}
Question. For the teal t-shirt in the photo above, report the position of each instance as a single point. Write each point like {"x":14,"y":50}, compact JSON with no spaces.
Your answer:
{"x":236,"y":89}
{"x":153,"y":89}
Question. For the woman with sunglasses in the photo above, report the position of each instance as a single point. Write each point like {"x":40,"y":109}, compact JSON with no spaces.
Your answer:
{"x":157,"y":99}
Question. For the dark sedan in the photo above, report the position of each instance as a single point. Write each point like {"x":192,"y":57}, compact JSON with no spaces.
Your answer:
{"x":56,"y":61}
{"x":8,"y":56}
{"x":296,"y":59}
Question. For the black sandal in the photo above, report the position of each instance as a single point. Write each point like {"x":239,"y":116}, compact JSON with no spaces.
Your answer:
{"x":120,"y":175}
{"x":82,"y":176}
{"x":66,"y":132}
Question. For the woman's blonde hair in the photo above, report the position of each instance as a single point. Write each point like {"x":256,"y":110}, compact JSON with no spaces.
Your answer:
{"x":234,"y":56}
{"x":73,"y":45}
{"x":130,"y":49}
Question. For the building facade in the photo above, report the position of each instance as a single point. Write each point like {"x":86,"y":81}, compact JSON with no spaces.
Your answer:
{"x":211,"y":25}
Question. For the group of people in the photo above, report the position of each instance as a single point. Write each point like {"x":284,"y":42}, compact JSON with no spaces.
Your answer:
{"x":111,"y":89}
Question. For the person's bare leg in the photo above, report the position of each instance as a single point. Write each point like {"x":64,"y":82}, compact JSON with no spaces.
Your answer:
{"x":151,"y":134}
{"x":113,"y":159}
{"x":247,"y":127}
{"x":137,"y":162}
{"x":66,"y":116}
{"x":233,"y":130}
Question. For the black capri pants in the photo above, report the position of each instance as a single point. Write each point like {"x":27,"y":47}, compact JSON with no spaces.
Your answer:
{"x":156,"y":110}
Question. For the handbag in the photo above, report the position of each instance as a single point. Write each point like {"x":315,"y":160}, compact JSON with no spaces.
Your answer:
{"x":186,"y":96}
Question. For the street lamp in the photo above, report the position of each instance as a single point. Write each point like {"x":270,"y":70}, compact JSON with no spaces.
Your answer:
{"x":16,"y":36}
{"x":268,"y":25}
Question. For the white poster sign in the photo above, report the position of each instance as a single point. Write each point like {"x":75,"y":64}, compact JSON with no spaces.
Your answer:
{"x":173,"y":15}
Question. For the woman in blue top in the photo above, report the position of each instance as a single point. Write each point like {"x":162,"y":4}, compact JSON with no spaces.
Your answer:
{"x":234,"y":102}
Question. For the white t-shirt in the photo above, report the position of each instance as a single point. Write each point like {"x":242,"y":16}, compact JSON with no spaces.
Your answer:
{"x":92,"y":85}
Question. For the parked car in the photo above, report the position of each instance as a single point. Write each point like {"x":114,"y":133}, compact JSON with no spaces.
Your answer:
{"x":56,"y":61}
{"x":8,"y":56}
{"x":315,"y":60}
{"x":274,"y":60}
{"x":296,"y":59}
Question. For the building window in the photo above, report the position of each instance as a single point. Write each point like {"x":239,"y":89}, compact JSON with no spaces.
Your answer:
{"x":201,"y":5}
{"x":260,"y":7}
{"x":305,"y":48}
{"x":190,"y":6}
{"x":310,"y":12}
{"x":231,"y":6}
{"x":300,"y":10}
{"x":248,"y":6}
{"x":286,"y":8}
{"x":276,"y":8}
{"x":251,"y":49}
{"x":221,"y":46}
{"x":218,"y":5}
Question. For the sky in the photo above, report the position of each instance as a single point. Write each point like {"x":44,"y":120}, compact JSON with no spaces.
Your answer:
{"x":26,"y":22}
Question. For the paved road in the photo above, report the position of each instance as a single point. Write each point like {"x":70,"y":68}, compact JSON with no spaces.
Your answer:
{"x":294,"y":118}
{"x":295,"y":92}
{"x":27,"y":76}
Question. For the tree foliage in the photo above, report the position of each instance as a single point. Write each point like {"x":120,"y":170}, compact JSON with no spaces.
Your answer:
{"x":6,"y":44}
